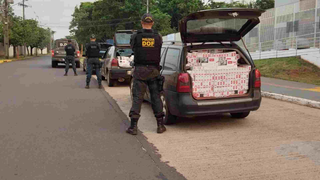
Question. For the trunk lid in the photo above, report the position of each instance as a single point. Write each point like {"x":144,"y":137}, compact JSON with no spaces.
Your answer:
{"x":217,"y":25}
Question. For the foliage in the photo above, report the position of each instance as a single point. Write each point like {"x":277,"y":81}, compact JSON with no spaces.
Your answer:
{"x":264,"y":4}
{"x":289,"y":68}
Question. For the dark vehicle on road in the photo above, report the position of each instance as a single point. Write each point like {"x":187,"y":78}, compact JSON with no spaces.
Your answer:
{"x":103,"y":50}
{"x":59,"y":54}
{"x":205,"y":31}
{"x":116,"y":62}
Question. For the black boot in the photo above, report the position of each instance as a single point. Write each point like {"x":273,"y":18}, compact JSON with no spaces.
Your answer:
{"x":133,"y":129}
{"x":161,"y":128}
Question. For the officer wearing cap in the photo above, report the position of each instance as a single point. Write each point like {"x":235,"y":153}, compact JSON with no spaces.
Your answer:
{"x":92,"y":52}
{"x":146,"y":44}
{"x":70,"y":50}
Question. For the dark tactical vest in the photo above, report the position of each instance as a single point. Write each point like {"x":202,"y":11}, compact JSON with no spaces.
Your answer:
{"x":147,"y":48}
{"x":69,"y":50}
{"x":93,"y":50}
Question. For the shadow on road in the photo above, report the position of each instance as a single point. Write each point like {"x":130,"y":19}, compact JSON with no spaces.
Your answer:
{"x":209,"y":122}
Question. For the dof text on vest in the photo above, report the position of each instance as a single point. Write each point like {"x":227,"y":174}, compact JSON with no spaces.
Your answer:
{"x":147,"y":48}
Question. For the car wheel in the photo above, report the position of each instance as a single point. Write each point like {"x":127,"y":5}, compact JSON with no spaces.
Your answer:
{"x":110,"y":82}
{"x":168,"y":117}
{"x":77,"y":64}
{"x":54,"y":64}
{"x":240,"y":115}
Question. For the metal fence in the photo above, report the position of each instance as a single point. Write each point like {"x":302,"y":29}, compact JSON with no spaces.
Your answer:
{"x":287,"y":29}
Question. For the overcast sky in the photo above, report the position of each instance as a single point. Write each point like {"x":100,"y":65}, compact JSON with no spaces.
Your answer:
{"x":55,"y":14}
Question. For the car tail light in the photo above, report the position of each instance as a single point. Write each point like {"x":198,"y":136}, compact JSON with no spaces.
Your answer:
{"x":78,"y":53}
{"x":183,"y":84}
{"x":257,"y":82}
{"x":52,"y":53}
{"x":114,"y":62}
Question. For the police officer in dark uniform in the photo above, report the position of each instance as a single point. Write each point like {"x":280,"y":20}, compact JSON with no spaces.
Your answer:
{"x":92,"y":52}
{"x":70,"y":50}
{"x":146,"y":44}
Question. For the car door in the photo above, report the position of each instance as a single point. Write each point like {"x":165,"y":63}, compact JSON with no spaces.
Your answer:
{"x":107,"y":60}
{"x":163,"y":51}
{"x":171,"y":67}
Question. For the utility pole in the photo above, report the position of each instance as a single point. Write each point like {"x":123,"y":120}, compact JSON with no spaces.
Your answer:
{"x":6,"y":29}
{"x":23,"y":15}
{"x":147,"y":6}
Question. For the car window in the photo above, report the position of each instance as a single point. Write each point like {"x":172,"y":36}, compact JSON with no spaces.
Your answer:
{"x":171,"y":60}
{"x":125,"y":52}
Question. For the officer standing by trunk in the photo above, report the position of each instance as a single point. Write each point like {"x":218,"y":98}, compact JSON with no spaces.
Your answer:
{"x":146,"y":45}
{"x":93,"y":50}
{"x":70,"y":50}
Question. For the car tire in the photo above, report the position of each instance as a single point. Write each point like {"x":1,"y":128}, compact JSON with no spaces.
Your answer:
{"x":77,"y":64}
{"x":168,"y":117}
{"x":240,"y":115}
{"x":54,"y":64}
{"x":110,"y":82}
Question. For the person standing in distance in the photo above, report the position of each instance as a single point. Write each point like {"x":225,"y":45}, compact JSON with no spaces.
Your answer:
{"x":92,"y":52}
{"x":146,"y":45}
{"x":70,"y":50}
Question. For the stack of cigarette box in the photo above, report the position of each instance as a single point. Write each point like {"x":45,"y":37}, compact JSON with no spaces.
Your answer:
{"x":216,"y":74}
{"x":125,"y":61}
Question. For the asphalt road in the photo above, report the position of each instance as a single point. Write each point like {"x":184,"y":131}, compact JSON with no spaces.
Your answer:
{"x":279,"y":141}
{"x":53,"y":128}
{"x":289,"y":88}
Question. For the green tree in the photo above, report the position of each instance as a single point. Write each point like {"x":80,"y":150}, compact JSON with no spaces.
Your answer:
{"x":178,"y":9}
{"x":16,"y":32}
{"x":264,"y":4}
{"x":31,"y":34}
{"x":44,"y":38}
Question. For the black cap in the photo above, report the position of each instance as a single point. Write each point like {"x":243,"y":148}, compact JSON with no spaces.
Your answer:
{"x":147,"y":18}
{"x":92,"y":36}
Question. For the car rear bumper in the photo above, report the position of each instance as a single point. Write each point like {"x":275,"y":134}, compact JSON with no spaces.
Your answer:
{"x":120,"y":73}
{"x":62,"y":59}
{"x":183,"y":104}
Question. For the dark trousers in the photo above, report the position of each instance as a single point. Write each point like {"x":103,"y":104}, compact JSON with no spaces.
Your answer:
{"x":139,"y":89}
{"x":70,"y":59}
{"x":90,"y":63}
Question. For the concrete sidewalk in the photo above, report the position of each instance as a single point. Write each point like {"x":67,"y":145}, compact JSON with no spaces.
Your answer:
{"x":299,"y":93}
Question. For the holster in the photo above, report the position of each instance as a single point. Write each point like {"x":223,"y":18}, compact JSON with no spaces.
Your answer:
{"x":160,"y":80}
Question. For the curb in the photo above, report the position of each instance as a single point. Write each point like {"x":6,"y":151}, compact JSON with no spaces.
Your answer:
{"x":4,"y":61}
{"x":295,"y":100}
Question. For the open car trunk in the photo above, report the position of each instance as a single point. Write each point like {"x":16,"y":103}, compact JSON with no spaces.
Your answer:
{"x":218,"y":73}
{"x":125,"y":57}
{"x":218,"y":25}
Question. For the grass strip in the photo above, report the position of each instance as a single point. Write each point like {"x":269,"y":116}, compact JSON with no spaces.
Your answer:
{"x":289,"y":68}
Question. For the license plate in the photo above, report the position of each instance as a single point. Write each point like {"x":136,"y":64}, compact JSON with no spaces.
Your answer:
{"x":129,"y":72}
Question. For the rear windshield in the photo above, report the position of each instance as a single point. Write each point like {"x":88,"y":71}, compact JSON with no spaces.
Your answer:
{"x":215,"y":25}
{"x":124,"y":52}
{"x":60,"y":43}
{"x":123,"y":38}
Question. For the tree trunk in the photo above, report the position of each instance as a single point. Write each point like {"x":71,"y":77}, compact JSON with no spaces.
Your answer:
{"x":31,"y":48}
{"x":41,"y":51}
{"x":36,"y":51}
{"x":14,"y":51}
{"x":17,"y":52}
{"x":28,"y":51}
